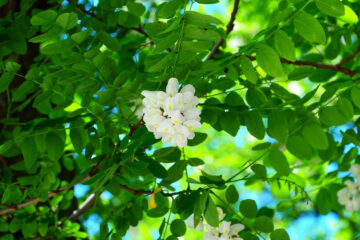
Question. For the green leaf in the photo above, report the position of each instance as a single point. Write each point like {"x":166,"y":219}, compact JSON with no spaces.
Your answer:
{"x":51,"y":35}
{"x":166,"y":60}
{"x":194,"y":32}
{"x":78,"y":138}
{"x":211,"y":214}
{"x":248,"y":69}
{"x":264,"y":224}
{"x":230,"y":123}
{"x":278,"y":126}
{"x":4,"y":226}
{"x":300,"y":73}
{"x":207,"y":1}
{"x":234,"y":99}
{"x":349,"y":16}
{"x":279,"y":234}
{"x":178,"y":227}
{"x":299,"y":147}
{"x":168,"y":9}
{"x":231,"y":194}
{"x":56,"y":47}
{"x":200,"y":19}
{"x":255,"y":97}
{"x":337,"y":115}
{"x":15,"y":224}
{"x":175,"y":172}
{"x":28,"y":149}
{"x":6,"y":146}
{"x":167,"y":155}
{"x":269,"y":60}
{"x":345,"y":107}
{"x":5,"y":81}
{"x":323,"y":202}
{"x":254,"y":124}
{"x":111,"y":42}
{"x":259,"y":170}
{"x":248,"y":208}
{"x":135,"y":8}
{"x":199,"y":138}
{"x":43,"y":228}
{"x":166,"y":42}
{"x":3,"y":2}
{"x":54,"y":145}
{"x":279,"y":162}
{"x":28,"y":229}
{"x":198,"y":46}
{"x":157,"y":169}
{"x":7,"y":194}
{"x":195,"y":162}
{"x":80,"y":37}
{"x":12,"y":66}
{"x":309,"y":28}
{"x":67,"y":20}
{"x":284,"y":46}
{"x":331,"y":116}
{"x":332,"y":8}
{"x":355,"y":96}
{"x":315,"y":136}
{"x":44,"y":18}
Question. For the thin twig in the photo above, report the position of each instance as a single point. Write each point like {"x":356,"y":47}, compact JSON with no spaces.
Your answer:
{"x":315,"y":64}
{"x":229,"y":28}
{"x":137,"y":29}
{"x":93,"y":171}
{"x":349,"y":58}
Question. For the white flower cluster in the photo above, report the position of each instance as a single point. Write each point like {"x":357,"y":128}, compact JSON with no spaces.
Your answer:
{"x":172,"y":115}
{"x":350,"y":195}
{"x":225,"y":231}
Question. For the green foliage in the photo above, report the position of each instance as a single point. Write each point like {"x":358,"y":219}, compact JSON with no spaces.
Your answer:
{"x":248,"y":208}
{"x":72,"y":73}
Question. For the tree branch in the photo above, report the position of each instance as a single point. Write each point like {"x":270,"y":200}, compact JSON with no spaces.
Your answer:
{"x":229,"y":28}
{"x":36,"y":200}
{"x":316,"y":65}
{"x":137,"y":29}
{"x":93,"y":171}
{"x":349,"y":58}
{"x":86,"y":205}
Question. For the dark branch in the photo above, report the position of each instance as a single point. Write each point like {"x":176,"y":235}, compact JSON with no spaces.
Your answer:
{"x":137,"y":29}
{"x":316,"y":65}
{"x":133,"y":129}
{"x":229,"y":28}
{"x":349,"y":58}
{"x":93,"y":171}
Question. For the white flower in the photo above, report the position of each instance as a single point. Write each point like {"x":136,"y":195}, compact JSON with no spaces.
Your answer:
{"x":352,"y":187}
{"x":349,"y":198}
{"x":355,"y":170}
{"x":172,"y":87}
{"x":199,"y":227}
{"x":220,"y":213}
{"x":172,"y":116}
{"x":188,"y":89}
{"x":210,"y":236}
{"x":226,"y":231}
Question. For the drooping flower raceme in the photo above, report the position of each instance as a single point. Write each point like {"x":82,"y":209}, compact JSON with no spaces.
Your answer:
{"x":350,"y":195}
{"x":226,"y":231}
{"x":172,"y":115}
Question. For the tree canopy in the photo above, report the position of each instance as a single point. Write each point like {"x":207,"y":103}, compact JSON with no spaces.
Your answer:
{"x":200,"y":119}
